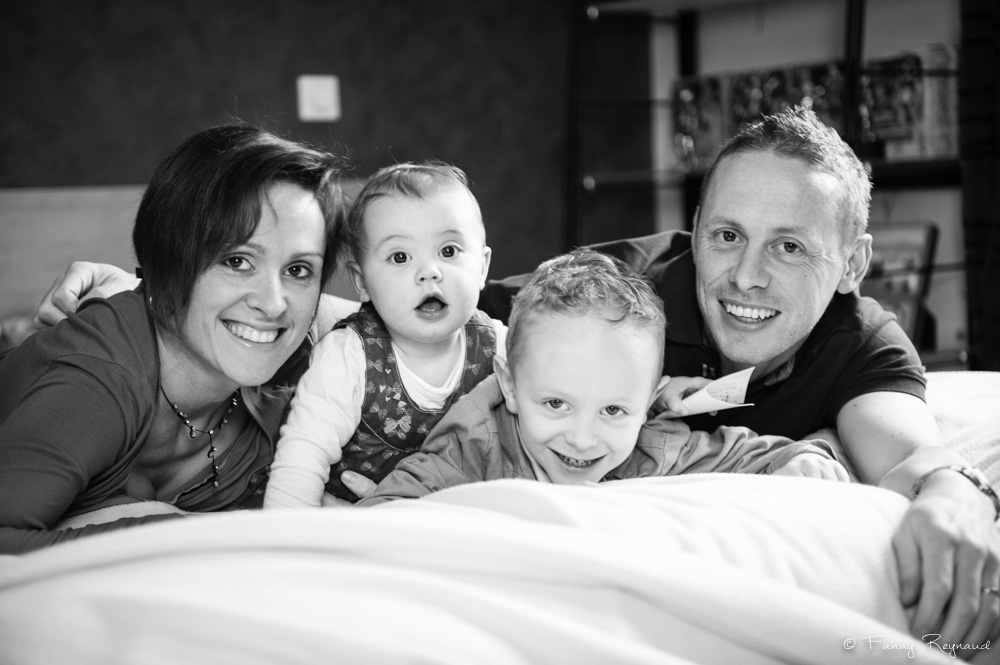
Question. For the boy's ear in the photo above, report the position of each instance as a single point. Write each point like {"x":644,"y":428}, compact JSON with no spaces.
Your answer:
{"x":857,"y":265}
{"x":502,"y":371}
{"x":661,"y":385}
{"x":358,"y":280}
{"x":487,"y":255}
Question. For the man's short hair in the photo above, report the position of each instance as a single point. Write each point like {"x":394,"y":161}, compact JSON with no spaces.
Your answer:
{"x":586,"y":282}
{"x":207,"y":197}
{"x":798,"y":134}
{"x":411,"y":180}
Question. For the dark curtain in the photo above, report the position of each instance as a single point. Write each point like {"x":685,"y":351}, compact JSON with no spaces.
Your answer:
{"x":979,"y":109}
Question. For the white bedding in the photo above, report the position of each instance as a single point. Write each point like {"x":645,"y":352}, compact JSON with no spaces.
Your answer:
{"x":696,"y":569}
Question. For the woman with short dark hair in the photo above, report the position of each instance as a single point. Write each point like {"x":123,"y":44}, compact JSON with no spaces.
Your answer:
{"x":174,"y":392}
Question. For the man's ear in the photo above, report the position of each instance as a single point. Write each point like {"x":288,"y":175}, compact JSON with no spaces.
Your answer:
{"x":502,"y":370}
{"x":487,"y":255}
{"x":358,"y":280}
{"x":694,"y":229}
{"x":857,"y":265}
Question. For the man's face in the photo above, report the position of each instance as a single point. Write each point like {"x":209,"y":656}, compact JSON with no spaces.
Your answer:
{"x":769,"y":256}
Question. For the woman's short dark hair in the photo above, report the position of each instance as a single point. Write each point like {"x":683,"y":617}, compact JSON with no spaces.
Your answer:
{"x":207,"y":196}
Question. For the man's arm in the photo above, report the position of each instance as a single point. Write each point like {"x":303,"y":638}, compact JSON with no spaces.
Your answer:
{"x":948,"y":547}
{"x":82,"y":280}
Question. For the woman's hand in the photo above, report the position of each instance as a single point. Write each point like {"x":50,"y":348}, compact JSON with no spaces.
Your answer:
{"x":812,"y":465}
{"x":671,"y":393}
{"x":82,"y":280}
{"x":355,"y":482}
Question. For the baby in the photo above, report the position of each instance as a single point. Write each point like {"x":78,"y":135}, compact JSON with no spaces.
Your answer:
{"x":382,"y":378}
{"x":569,"y":403}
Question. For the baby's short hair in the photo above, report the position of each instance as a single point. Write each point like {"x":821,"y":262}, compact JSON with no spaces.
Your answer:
{"x":586,"y":282}
{"x":409,"y":179}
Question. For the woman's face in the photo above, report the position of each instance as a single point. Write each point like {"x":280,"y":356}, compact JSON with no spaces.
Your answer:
{"x":250,"y":310}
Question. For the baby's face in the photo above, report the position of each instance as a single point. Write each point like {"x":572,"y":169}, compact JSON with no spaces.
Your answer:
{"x":581,"y":389}
{"x":424,"y":264}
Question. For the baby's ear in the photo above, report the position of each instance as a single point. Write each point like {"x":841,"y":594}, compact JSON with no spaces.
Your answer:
{"x":502,"y":370}
{"x":358,"y":280}
{"x":487,"y":256}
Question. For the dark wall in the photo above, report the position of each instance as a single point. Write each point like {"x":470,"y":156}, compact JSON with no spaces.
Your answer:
{"x":94,"y":93}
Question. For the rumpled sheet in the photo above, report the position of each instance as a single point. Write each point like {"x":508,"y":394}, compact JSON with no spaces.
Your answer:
{"x":698,"y":569}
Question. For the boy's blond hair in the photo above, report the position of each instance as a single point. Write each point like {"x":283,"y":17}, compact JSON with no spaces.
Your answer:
{"x":586,"y":282}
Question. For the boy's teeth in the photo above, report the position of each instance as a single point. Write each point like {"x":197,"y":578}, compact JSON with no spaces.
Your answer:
{"x":572,"y":461}
{"x":758,"y":313}
{"x":252,"y":334}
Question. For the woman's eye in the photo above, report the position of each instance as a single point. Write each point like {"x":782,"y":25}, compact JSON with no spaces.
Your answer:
{"x":398,"y":257}
{"x":300,"y":271}
{"x":236,"y":263}
{"x":449,"y":251}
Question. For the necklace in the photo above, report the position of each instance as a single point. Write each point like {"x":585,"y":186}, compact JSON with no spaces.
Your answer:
{"x":195,"y":432}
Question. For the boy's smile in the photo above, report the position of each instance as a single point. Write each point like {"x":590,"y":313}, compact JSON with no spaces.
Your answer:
{"x":581,"y":390}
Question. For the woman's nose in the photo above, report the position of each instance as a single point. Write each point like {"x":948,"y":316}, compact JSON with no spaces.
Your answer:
{"x":267,"y":295}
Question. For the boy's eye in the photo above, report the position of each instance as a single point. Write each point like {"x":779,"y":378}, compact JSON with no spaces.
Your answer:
{"x":614,"y":411}
{"x":399,"y":257}
{"x":555,"y":404}
{"x":449,"y":251}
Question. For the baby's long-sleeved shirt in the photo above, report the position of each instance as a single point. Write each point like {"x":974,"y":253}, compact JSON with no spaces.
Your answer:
{"x":327,"y":408}
{"x":478,"y":440}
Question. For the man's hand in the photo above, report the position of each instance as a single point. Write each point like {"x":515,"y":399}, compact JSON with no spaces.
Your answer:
{"x":671,"y":393}
{"x":82,"y":280}
{"x":355,"y":482}
{"x":813,"y":465}
{"x":948,"y":551}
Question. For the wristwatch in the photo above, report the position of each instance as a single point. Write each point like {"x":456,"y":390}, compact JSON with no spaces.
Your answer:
{"x":974,"y":475}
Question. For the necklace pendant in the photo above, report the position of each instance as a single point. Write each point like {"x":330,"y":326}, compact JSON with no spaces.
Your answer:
{"x":192,"y":432}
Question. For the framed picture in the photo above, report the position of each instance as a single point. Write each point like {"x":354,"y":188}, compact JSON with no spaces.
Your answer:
{"x":900,"y":272}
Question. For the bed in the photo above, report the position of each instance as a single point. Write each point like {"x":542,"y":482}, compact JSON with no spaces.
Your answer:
{"x":692,"y":569}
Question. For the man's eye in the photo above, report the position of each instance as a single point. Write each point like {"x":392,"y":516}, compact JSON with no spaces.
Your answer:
{"x":449,"y":251}
{"x":790,"y":247}
{"x":728,"y":236}
{"x":399,"y":257}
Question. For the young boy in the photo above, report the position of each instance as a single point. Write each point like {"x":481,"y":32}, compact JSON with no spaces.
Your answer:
{"x":569,"y":403}
{"x":381,"y":380}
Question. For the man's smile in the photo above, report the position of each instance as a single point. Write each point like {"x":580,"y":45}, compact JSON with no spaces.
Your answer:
{"x":749,"y":314}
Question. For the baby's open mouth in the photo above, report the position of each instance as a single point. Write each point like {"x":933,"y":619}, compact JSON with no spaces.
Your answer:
{"x":432,"y":304}
{"x":251,"y":334}
{"x":576,"y":463}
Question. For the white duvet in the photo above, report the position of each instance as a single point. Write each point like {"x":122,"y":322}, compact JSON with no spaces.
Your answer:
{"x":698,"y":569}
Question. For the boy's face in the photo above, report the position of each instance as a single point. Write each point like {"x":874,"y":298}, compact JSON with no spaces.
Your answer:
{"x":424,"y":264}
{"x":581,"y":389}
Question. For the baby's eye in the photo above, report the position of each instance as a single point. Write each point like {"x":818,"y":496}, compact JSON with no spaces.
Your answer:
{"x":238,"y":263}
{"x":555,"y":404}
{"x":449,"y":251}
{"x":399,"y":257}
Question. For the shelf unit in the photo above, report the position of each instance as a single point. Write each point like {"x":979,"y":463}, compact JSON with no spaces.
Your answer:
{"x":615,"y":181}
